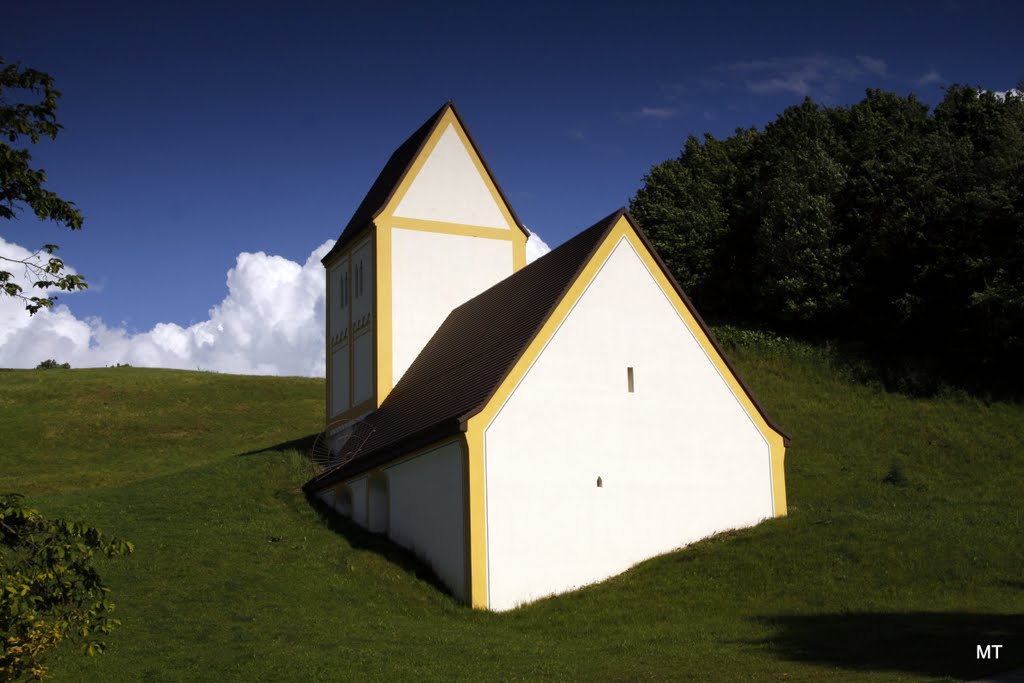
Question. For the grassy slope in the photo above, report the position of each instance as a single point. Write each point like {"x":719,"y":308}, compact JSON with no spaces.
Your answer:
{"x":236,"y":578}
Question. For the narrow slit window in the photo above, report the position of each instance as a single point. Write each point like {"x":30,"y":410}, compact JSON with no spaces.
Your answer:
{"x":629,"y":378}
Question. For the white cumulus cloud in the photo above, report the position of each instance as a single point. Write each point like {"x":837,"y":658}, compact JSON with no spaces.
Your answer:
{"x":270,"y":323}
{"x":535,"y":247}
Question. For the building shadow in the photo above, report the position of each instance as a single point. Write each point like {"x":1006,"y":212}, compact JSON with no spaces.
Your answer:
{"x":939,"y":644}
{"x":303,"y":444}
{"x":361,"y":539}
{"x":356,"y":536}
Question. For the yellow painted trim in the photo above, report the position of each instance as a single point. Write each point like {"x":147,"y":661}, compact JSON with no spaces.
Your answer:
{"x":518,"y":255}
{"x":387,"y":214}
{"x":479,"y":422}
{"x":386,"y":221}
{"x":475,"y":518}
{"x":488,"y":181}
{"x":450,"y":228}
{"x":383,"y":302}
{"x":417,"y":165}
{"x":776,"y":446}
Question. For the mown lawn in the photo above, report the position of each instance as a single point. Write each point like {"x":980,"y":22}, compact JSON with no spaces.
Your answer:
{"x":902,"y":552}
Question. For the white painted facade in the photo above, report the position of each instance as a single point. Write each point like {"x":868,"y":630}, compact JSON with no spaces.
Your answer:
{"x":363,"y":329}
{"x":358,"y":489}
{"x":419,"y":503}
{"x":427,"y":508}
{"x":339,"y":337}
{"x":679,"y":458}
{"x":449,"y":188}
{"x":351,"y":332}
{"x":433,"y":273}
{"x":377,"y":503}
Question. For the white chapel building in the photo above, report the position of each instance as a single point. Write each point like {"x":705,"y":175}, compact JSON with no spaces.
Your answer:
{"x":525,"y":429}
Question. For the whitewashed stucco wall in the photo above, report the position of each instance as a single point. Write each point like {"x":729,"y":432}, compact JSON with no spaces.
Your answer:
{"x":427,"y":508}
{"x":433,"y":273}
{"x":339,"y":338}
{"x":449,"y":188}
{"x":679,"y":458}
{"x":358,"y":488}
{"x":363,"y":328}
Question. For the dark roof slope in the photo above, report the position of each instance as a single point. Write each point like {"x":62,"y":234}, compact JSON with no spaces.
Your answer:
{"x":461,"y":367}
{"x":465,"y":361}
{"x":394,"y":172}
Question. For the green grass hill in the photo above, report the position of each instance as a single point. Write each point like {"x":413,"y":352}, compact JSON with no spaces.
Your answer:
{"x":902,"y":552}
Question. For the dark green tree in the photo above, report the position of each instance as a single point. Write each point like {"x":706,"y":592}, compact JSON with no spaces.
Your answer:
{"x":702,"y":190}
{"x":28,"y":112}
{"x":798,"y":257}
{"x":879,"y":224}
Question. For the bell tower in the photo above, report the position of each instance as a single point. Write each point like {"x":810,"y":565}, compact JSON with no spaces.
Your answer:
{"x":434,"y":230}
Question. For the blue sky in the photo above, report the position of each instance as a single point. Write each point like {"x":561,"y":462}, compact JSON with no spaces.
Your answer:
{"x":198,"y":132}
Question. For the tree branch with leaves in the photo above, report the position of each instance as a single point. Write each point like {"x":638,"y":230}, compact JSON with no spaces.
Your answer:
{"x":50,"y":590}
{"x":28,"y":112}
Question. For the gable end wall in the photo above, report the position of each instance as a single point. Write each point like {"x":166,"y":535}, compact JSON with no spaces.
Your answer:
{"x":679,"y":458}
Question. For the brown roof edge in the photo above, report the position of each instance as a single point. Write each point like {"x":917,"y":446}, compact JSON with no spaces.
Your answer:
{"x":609,"y":221}
{"x":365,"y":215}
{"x":357,"y":466}
{"x":487,"y":167}
{"x":424,"y":132}
{"x":707,"y":330}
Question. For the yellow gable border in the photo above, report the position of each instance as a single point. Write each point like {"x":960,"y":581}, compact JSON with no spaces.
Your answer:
{"x":449,"y":118}
{"x":386,"y":221}
{"x":476,"y":504}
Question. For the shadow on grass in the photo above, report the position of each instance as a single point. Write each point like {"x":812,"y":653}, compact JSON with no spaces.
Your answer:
{"x":357,"y":537}
{"x":361,"y":539}
{"x":923,"y":643}
{"x":303,"y":445}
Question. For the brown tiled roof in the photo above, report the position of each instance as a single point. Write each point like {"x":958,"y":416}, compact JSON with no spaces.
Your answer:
{"x":472,"y":351}
{"x":394,"y":172}
{"x":462,"y":365}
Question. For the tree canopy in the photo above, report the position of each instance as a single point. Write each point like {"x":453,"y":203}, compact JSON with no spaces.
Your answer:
{"x":882,"y":223}
{"x":28,"y":112}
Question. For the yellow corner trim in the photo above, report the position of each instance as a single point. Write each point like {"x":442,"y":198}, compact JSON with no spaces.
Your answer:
{"x":475,"y":521}
{"x":478,"y":423}
{"x":518,"y":255}
{"x":384,"y":313}
{"x":449,"y":118}
{"x":776,"y":445}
